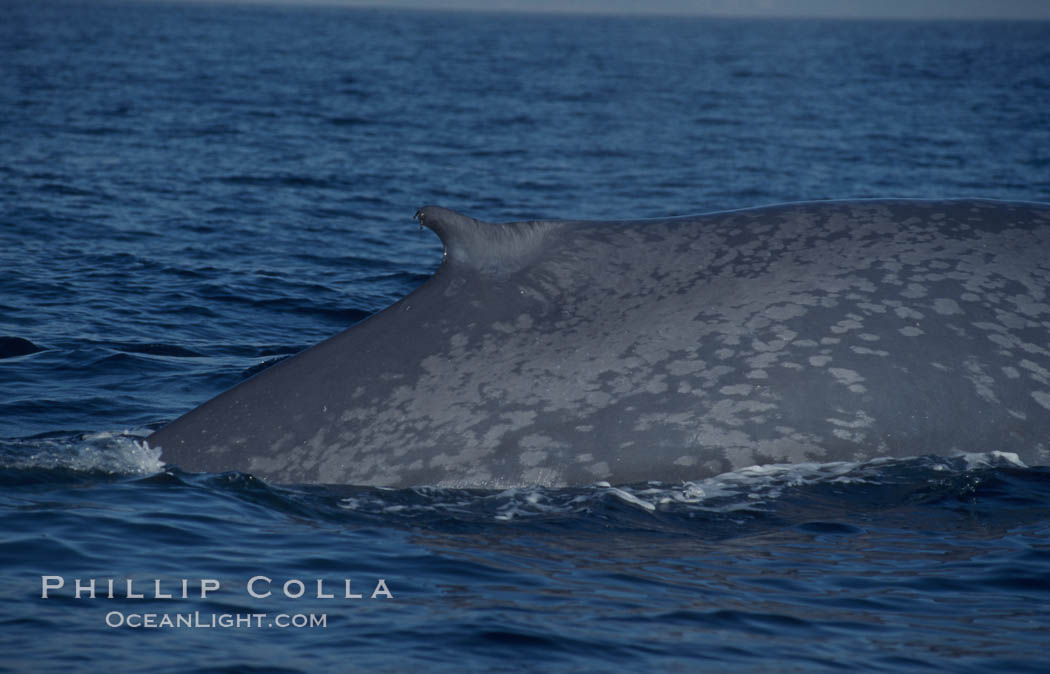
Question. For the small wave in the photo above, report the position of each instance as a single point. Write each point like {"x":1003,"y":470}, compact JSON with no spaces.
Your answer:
{"x":259,"y":367}
{"x":156,"y":349}
{"x":751,"y":490}
{"x":283,"y":180}
{"x":730,"y":504}
{"x":108,"y":453}
{"x":351,"y":121}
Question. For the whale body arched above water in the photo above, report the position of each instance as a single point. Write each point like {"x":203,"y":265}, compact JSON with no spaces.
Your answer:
{"x":568,"y":352}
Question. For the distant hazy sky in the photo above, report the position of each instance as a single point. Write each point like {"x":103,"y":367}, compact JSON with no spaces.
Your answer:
{"x":910,"y":9}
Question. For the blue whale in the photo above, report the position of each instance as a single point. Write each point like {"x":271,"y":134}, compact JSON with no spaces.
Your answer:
{"x":568,"y":352}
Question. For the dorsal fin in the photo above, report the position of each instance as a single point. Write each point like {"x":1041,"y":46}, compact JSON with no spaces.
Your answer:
{"x":485,"y":246}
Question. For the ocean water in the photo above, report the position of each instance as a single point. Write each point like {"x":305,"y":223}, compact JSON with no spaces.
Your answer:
{"x":189,"y":192}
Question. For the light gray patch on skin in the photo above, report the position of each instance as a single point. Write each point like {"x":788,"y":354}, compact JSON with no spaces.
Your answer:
{"x":1042,"y":397}
{"x":757,"y":374}
{"x":791,"y":447}
{"x":911,"y":331}
{"x":819,"y":361}
{"x":868,"y":337}
{"x":861,"y":420}
{"x":914,"y":291}
{"x":864,"y":351}
{"x":908,"y":313}
{"x":712,"y":375}
{"x":538,"y":441}
{"x":660,"y":419}
{"x":685,"y":367}
{"x":773,"y":345}
{"x":736,"y":444}
{"x":1031,"y":303}
{"x":763,"y":360}
{"x":785,"y":312}
{"x":520,"y":418}
{"x":1011,"y":320}
{"x":599,"y":470}
{"x":657,"y":385}
{"x":848,"y":378}
{"x":946,"y":307}
{"x":846,"y":325}
{"x":735,"y":412}
{"x":736,"y":390}
{"x":532,"y":457}
{"x":542,"y":476}
{"x":494,"y":434}
{"x":1036,"y":372}
{"x":1011,"y":372}
{"x":982,"y":382}
{"x":598,"y":398}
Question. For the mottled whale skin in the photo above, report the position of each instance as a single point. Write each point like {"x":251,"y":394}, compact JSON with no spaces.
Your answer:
{"x":568,"y":352}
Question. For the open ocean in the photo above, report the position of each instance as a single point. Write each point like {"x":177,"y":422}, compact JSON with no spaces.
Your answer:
{"x":189,"y":192}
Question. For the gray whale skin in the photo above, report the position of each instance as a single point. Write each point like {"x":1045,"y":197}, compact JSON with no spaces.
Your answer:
{"x":569,"y":352}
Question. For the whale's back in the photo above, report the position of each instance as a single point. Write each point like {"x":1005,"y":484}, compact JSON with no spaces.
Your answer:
{"x":566,"y":352}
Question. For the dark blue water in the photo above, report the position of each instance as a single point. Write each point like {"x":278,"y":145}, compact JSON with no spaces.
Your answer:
{"x":189,"y":192}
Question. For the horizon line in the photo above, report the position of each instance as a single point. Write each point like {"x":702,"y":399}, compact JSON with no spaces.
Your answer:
{"x":605,"y":10}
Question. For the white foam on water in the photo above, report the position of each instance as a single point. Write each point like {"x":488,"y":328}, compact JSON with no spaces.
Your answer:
{"x":628,"y":497}
{"x":992,"y":460}
{"x":113,"y":452}
{"x":750,"y":488}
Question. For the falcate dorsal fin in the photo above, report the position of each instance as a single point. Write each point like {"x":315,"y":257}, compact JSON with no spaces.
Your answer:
{"x":485,"y":246}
